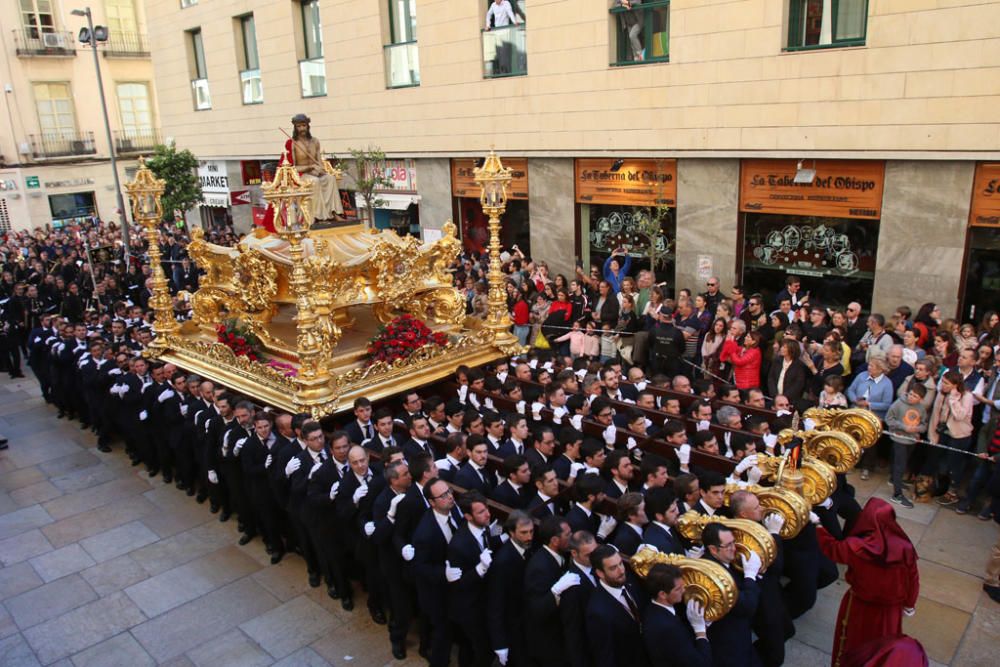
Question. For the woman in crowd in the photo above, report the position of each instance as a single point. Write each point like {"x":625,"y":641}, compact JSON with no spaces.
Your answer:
{"x":926,"y":322}
{"x":746,"y":358}
{"x":951,"y":426}
{"x":827,"y":364}
{"x":711,"y":347}
{"x":945,"y":349}
{"x":615,"y":269}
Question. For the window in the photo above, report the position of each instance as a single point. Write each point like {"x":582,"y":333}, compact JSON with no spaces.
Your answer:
{"x":121,"y":17}
{"x":505,"y":51}
{"x":36,"y":17}
{"x":134,"y":108}
{"x":402,"y":63}
{"x":642,"y":31}
{"x":312,"y":68}
{"x":817,"y":24}
{"x":250,"y":83}
{"x":199,"y":82}
{"x":55,"y":110}
{"x":188,"y":3}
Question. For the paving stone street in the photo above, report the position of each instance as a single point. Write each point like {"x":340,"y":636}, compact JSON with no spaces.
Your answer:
{"x":103,"y":566}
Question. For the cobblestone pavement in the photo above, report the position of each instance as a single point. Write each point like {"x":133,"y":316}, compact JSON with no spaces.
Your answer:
{"x":103,"y":566}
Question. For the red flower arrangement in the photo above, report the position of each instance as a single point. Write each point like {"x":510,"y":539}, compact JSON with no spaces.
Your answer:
{"x":400,"y":338}
{"x":234,"y":335}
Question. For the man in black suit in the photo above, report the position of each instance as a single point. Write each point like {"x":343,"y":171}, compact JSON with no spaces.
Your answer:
{"x":544,"y":502}
{"x":431,"y":569}
{"x":543,"y":447}
{"x":661,"y":531}
{"x":216,"y":428}
{"x":361,"y":427}
{"x":631,"y":522}
{"x":474,"y":475}
{"x":713,"y":499}
{"x":413,"y":506}
{"x":589,"y":492}
{"x":312,"y":446}
{"x":454,"y":457}
{"x":619,"y":467}
{"x":326,"y":474}
{"x":420,"y":433}
{"x":675,"y":634}
{"x":398,"y":593}
{"x":412,"y":407}
{"x":517,"y":443}
{"x":545,"y":580}
{"x":573,"y":603}
{"x":493,"y":423}
{"x":254,"y":458}
{"x":613,"y":389}
{"x":471,"y":550}
{"x":358,"y":491}
{"x":232,"y":468}
{"x":731,"y":634}
{"x":568,"y":463}
{"x":383,"y":432}
{"x":505,"y":590}
{"x":513,"y":491}
{"x":287,"y":446}
{"x":614,"y":613}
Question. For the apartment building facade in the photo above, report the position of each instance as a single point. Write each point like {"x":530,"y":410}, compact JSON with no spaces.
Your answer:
{"x":852,"y":142}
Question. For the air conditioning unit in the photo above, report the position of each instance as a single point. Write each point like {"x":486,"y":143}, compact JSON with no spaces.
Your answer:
{"x":54,"y":40}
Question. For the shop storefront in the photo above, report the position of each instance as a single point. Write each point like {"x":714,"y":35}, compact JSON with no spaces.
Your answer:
{"x":215,"y":201}
{"x":823,"y":228}
{"x":630,"y":204}
{"x":71,"y":208}
{"x":473,"y":227}
{"x":398,"y":205}
{"x":981,"y":277}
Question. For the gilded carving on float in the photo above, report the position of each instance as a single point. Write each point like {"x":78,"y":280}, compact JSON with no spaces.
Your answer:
{"x":750,"y":536}
{"x":314,"y":297}
{"x":818,"y":479}
{"x":704,"y":580}
{"x":789,"y":504}
{"x":862,"y":425}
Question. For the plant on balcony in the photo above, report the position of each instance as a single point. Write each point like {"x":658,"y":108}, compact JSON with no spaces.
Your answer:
{"x":179,"y":170}
{"x":400,"y":338}
{"x":234,"y":334}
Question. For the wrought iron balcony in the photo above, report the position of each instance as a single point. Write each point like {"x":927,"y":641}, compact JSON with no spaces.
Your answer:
{"x":33,"y":42}
{"x":62,"y":144}
{"x":132,"y":142}
{"x":126,"y":45}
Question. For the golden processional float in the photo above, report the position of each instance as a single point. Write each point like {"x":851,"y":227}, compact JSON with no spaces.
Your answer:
{"x":314,"y":298}
{"x":800,"y":480}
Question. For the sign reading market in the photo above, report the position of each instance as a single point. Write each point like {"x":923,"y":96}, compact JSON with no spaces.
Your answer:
{"x":620,"y":182}
{"x":841,"y":189}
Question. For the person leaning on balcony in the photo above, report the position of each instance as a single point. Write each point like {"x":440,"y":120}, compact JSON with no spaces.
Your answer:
{"x":501,"y":13}
{"x":632,"y":23}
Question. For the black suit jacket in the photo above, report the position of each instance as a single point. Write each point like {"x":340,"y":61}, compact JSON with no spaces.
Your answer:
{"x":430,"y":553}
{"x":578,"y":520}
{"x":354,"y":432}
{"x":626,"y":539}
{"x":408,"y":513}
{"x":505,"y":494}
{"x":731,"y":634}
{"x":468,"y":478}
{"x":670,"y":641}
{"x":505,"y":594}
{"x":668,"y":543}
{"x":467,"y":596}
{"x":543,"y":636}
{"x":572,"y":610}
{"x":796,"y":379}
{"x":411,"y":448}
{"x":351,"y":517}
{"x":614,"y":636}
{"x":536,"y":458}
{"x":541,"y":509}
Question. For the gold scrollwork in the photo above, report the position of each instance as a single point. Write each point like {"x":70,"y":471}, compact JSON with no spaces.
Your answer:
{"x":750,"y":536}
{"x":257,"y":280}
{"x":705,"y":581}
{"x":223,"y":357}
{"x":819,"y":479}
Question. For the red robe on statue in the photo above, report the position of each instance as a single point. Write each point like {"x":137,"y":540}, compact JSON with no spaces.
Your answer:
{"x":882,"y":571}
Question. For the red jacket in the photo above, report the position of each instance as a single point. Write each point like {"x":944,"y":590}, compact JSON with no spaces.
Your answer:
{"x":522,"y":316}
{"x":745,"y":361}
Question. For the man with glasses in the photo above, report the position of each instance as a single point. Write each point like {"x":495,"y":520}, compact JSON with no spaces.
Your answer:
{"x":754,"y":316}
{"x":792,"y":292}
{"x":736,"y":295}
{"x":733,"y":631}
{"x":712,"y":296}
{"x":856,"y":325}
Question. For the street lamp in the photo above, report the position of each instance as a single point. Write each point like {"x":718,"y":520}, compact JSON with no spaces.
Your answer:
{"x":493,"y":178}
{"x":91,"y":35}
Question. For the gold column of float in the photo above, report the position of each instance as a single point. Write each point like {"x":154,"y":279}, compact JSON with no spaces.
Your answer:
{"x":493,"y":179}
{"x":292,"y":221}
{"x":144,"y":194}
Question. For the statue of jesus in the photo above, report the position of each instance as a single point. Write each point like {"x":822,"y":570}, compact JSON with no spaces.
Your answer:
{"x":303,"y":151}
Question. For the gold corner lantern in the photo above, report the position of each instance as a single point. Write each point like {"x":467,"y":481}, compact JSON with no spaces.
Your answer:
{"x":750,"y":536}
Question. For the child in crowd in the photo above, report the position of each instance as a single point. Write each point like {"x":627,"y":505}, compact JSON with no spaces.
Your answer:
{"x":577,"y":338}
{"x":609,"y":347}
{"x":833,"y":393}
{"x":906,"y":420}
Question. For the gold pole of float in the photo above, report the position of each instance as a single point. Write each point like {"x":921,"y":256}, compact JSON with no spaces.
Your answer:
{"x":145,"y":193}
{"x":493,"y":179}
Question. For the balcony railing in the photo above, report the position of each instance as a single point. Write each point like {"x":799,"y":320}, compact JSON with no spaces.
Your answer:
{"x":504,"y":52}
{"x":202,"y":98}
{"x":32,"y":42}
{"x":126,"y":45}
{"x":62,"y":144}
{"x":140,"y":140}
{"x":250,"y":84}
{"x":402,"y":65}
{"x":312,"y":76}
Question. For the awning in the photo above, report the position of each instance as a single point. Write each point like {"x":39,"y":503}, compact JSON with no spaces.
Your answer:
{"x":390,"y":201}
{"x":215,"y":200}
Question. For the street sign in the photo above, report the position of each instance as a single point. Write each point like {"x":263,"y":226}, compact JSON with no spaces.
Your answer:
{"x":32,"y":182}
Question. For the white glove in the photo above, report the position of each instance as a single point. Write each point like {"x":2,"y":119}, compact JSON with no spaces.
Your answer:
{"x":212,"y":477}
{"x":684,"y":454}
{"x":826,"y":504}
{"x":754,"y":475}
{"x":568,"y":580}
{"x":640,"y":385}
{"x":452,"y":574}
{"x":502,"y":655}
{"x":647,"y":546}
{"x":443,"y":464}
{"x":631,"y":444}
{"x":334,"y":490}
{"x":407,"y":552}
{"x":703,"y":425}
{"x":495,"y":528}
{"x":393,"y":504}
{"x":608,"y":524}
{"x":463,"y":391}
{"x":747,"y":463}
{"x":609,"y":435}
{"x":751,"y":566}
{"x":184,"y":410}
{"x":360,"y":493}
{"x":575,"y":469}
{"x":536,"y":410}
{"x":520,"y":407}
{"x":909,"y":611}
{"x":123,"y":389}
{"x":773,"y":522}
{"x":770,"y":440}
{"x":369,"y":528}
{"x":485,"y":560}
{"x":239,"y":446}
{"x":293,"y":464}
{"x":813,"y":518}
{"x":315,"y":467}
{"x":809,"y":424}
{"x":696,"y":616}
{"x":169,"y":393}
{"x":143,"y":416}
{"x":268,"y":461}
{"x":695,"y":552}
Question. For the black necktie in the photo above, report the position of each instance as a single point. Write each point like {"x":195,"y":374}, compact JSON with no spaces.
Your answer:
{"x":452,"y":524}
{"x":368,"y":431}
{"x":632,"y":608}
{"x":343,"y":470}
{"x":482,"y":538}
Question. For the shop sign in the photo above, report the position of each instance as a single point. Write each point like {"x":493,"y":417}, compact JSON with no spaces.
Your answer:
{"x":218,"y":201}
{"x":67,"y":183}
{"x":463,"y":182}
{"x":259,"y":212}
{"x":985,"y":211}
{"x":626,"y":182}
{"x":31,"y":182}
{"x":401,"y":174}
{"x":239,"y":198}
{"x":250,"y":169}
{"x":212,"y":174}
{"x":841,"y":188}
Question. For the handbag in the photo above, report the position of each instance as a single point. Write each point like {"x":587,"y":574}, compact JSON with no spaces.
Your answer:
{"x":541,"y":342}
